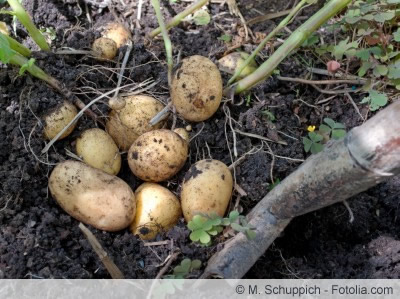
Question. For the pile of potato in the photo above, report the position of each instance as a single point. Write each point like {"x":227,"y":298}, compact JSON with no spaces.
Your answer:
{"x":90,"y":190}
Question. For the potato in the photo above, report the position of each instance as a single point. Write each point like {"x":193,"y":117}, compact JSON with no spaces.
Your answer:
{"x":207,"y":188}
{"x":92,"y":196}
{"x":104,"y":48}
{"x":231,"y":62}
{"x":157,"y":155}
{"x":127,"y":124}
{"x":157,"y":210}
{"x":99,"y":150}
{"x":118,"y":33}
{"x":58,"y":118}
{"x":196,"y":88}
{"x":183,"y":133}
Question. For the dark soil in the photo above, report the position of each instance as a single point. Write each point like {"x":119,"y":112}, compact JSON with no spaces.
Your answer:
{"x":38,"y":239}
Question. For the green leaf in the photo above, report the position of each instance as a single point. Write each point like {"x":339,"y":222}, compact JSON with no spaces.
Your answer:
{"x":196,"y":264}
{"x":225,"y":222}
{"x":393,"y":1}
{"x":382,"y":17}
{"x":251,"y":234}
{"x":225,"y":37}
{"x":201,"y":17}
{"x":212,"y":232}
{"x":376,"y":100}
{"x":205,"y":238}
{"x":344,"y":48}
{"x":315,"y":137}
{"x":380,"y":70}
{"x":396,"y":35}
{"x":330,"y":122}
{"x":312,"y":40}
{"x":26,"y":66}
{"x":365,"y":66}
{"x":197,"y":222}
{"x":394,"y":71}
{"x":307,"y":144}
{"x":5,"y":51}
{"x":238,"y":227}
{"x":325,"y":129}
{"x":338,"y":133}
{"x":233,"y":216}
{"x":316,"y":148}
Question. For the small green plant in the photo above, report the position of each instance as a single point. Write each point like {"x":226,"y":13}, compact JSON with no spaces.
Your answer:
{"x":331,"y":129}
{"x":201,"y":17}
{"x":268,"y":114}
{"x":203,"y":227}
{"x":184,"y":269}
{"x":375,"y":100}
{"x":273,"y":185}
{"x":225,"y":37}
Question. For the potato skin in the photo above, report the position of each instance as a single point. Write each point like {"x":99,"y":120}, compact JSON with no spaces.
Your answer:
{"x":233,"y":61}
{"x":105,"y":48}
{"x":127,"y":124}
{"x":196,"y":88}
{"x":99,"y":150}
{"x":58,"y":118}
{"x":118,"y":33}
{"x":157,"y":155}
{"x":207,"y":188}
{"x":92,"y":196}
{"x":157,"y":210}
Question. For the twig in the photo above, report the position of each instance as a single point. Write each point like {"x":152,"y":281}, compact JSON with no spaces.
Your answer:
{"x":160,"y":115}
{"x":339,"y":91}
{"x":123,"y":66}
{"x":321,"y":82}
{"x":346,"y":204}
{"x":354,"y":105}
{"x":104,"y":258}
{"x":259,"y":137}
{"x":269,"y":16}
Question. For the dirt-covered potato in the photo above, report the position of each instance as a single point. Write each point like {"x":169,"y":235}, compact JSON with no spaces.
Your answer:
{"x":58,"y":118}
{"x":118,"y":33}
{"x":157,"y":210}
{"x":157,"y":155}
{"x":207,"y":188}
{"x":93,"y":196}
{"x":99,"y":150}
{"x":104,"y":48}
{"x":196,"y":88}
{"x":127,"y":124}
{"x":233,"y":61}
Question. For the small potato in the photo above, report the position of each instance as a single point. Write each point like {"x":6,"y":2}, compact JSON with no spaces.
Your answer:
{"x":105,"y":48}
{"x":207,"y":188}
{"x":157,"y":155}
{"x":196,"y":88}
{"x":92,"y":196}
{"x":58,"y":118}
{"x":157,"y":210}
{"x":99,"y":150}
{"x":232,"y":62}
{"x":118,"y":33}
{"x":127,"y":124}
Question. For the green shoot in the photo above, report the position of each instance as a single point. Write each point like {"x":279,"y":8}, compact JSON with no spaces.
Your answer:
{"x":261,"y":46}
{"x":295,"y":40}
{"x":26,"y":66}
{"x":25,"y":19}
{"x":179,"y":17}
{"x":167,"y":41}
{"x":14,"y":45}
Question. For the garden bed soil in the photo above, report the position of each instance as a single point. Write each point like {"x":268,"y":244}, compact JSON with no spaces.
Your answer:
{"x":39,"y":240}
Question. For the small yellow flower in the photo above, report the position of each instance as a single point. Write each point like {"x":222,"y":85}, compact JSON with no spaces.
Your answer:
{"x":311,"y":128}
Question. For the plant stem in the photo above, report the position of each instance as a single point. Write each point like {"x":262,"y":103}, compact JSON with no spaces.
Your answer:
{"x":180,"y":16}
{"x":261,"y":46}
{"x":295,"y":40}
{"x":16,"y":46}
{"x":167,"y":41}
{"x":26,"y":20}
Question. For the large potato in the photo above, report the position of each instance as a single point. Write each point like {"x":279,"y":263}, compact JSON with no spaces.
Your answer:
{"x":196,"y":88}
{"x":207,"y":188}
{"x":58,"y":118}
{"x":157,"y":155}
{"x":157,"y":210}
{"x":93,"y":196}
{"x":127,"y":124}
{"x":99,"y":150}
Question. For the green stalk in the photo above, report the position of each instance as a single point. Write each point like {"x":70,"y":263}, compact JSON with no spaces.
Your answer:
{"x":261,"y":46}
{"x":26,"y":20}
{"x":294,"y":41}
{"x":18,"y":59}
{"x":16,"y":46}
{"x":180,"y":16}
{"x":167,"y":41}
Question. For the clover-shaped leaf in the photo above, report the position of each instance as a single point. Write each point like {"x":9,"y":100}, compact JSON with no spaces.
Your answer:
{"x":200,"y":235}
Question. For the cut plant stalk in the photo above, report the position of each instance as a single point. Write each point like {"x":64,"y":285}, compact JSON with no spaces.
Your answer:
{"x":261,"y":46}
{"x":25,"y":19}
{"x":294,"y":41}
{"x":368,"y":155}
{"x":19,"y":60}
{"x":16,"y":46}
{"x":167,"y":41}
{"x":180,"y":16}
